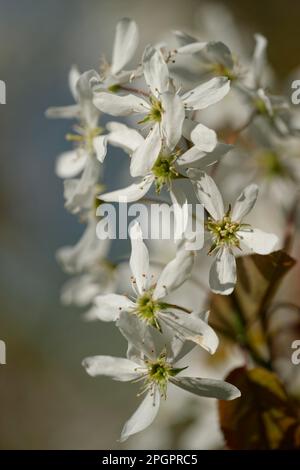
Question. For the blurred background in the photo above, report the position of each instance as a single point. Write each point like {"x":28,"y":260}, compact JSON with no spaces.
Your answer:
{"x":47,"y":401}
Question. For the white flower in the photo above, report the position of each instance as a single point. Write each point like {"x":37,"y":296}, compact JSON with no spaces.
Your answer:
{"x":165,"y":110}
{"x":227,"y":230}
{"x":124,"y":48}
{"x":153,"y":362}
{"x":150,"y":307}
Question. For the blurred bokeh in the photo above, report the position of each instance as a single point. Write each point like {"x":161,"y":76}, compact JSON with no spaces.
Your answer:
{"x":46,"y":399}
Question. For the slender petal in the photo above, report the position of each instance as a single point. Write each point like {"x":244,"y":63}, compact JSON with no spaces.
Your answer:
{"x":70,"y":164}
{"x":175,"y":273}
{"x":126,"y":42}
{"x":244,"y":202}
{"x":207,"y":193}
{"x":207,"y":387}
{"x":100,"y":146}
{"x":181,"y":210}
{"x":191,"y":48}
{"x":204,"y":138}
{"x":74,"y":75}
{"x":116,"y":368}
{"x":222,"y":276}
{"x":144,"y":157}
{"x":156,"y":71}
{"x":207,"y":93}
{"x":131,"y":193}
{"x":124,"y":137}
{"x":109,"y":306}
{"x":143,"y":416}
{"x":258,"y":241}
{"x":139,"y":259}
{"x":63,"y":112}
{"x":116,"y":105}
{"x":172,"y":118}
{"x":190,"y":327}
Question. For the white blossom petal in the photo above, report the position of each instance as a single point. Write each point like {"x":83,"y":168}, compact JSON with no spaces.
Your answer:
{"x":125,"y":44}
{"x":244,"y":202}
{"x":74,"y":75}
{"x":116,"y":368}
{"x":143,"y":416}
{"x":63,"y":112}
{"x":207,"y":387}
{"x":156,"y":71}
{"x":204,"y":138}
{"x":207,"y":93}
{"x":190,"y":327}
{"x":131,"y":193}
{"x":116,"y":105}
{"x":139,"y":259}
{"x":175,"y":273}
{"x":192,"y":48}
{"x":124,"y":137}
{"x":222,"y":275}
{"x":172,"y":118}
{"x":70,"y":164}
{"x":207,"y":193}
{"x":258,"y":241}
{"x":144,"y":157}
{"x":109,"y":306}
{"x":100,"y":146}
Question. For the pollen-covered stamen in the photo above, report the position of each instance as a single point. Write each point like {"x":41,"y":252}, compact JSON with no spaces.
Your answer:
{"x":155,"y":112}
{"x":147,"y":308}
{"x":84,"y":137}
{"x":159,"y":373}
{"x":224,"y":231}
{"x":164,"y":170}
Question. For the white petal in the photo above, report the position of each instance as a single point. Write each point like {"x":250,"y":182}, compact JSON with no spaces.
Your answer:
{"x":191,"y":48}
{"x":126,"y":42}
{"x":259,"y":59}
{"x":116,"y":105}
{"x":207,"y":93}
{"x":100,"y":146}
{"x":156,"y":71}
{"x":139,"y":259}
{"x":78,"y":192}
{"x":74,"y":75}
{"x":244,"y":202}
{"x":207,"y":192}
{"x":70,"y":164}
{"x":172,"y":118}
{"x":222,"y":275}
{"x":143,"y":416}
{"x":109,"y":306}
{"x":64,"y":112}
{"x":181,"y":210}
{"x":190,"y":327}
{"x":207,"y":387}
{"x":131,"y":193}
{"x":144,"y":157}
{"x":204,"y":138}
{"x":175,"y":273}
{"x":124,"y":137}
{"x":258,"y":241}
{"x":115,"y":367}
{"x":196,"y":158}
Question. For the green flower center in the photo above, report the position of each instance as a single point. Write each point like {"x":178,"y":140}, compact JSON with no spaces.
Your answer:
{"x":224,"y":232}
{"x":222,"y":71}
{"x":164,"y":170}
{"x":84,"y":137}
{"x":159,"y":373}
{"x":155,"y":113}
{"x":147,"y":308}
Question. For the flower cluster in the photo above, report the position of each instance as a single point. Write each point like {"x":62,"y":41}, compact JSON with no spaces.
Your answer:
{"x":168,"y":100}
